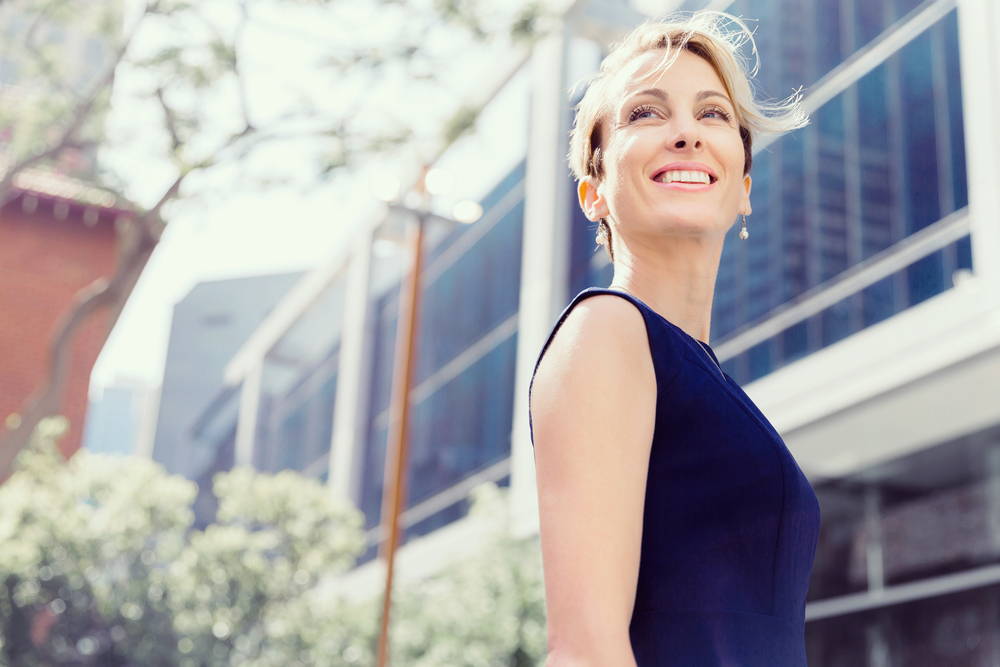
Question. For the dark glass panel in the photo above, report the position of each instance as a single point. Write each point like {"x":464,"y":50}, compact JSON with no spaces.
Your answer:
{"x":921,"y":280}
{"x":878,"y":301}
{"x":858,"y":180}
{"x":869,"y":21}
{"x":919,"y":131}
{"x":904,"y":7}
{"x":761,"y":360}
{"x":956,"y":630}
{"x":796,"y":342}
{"x":953,"y":83}
{"x":305,"y":435}
{"x":471,"y":285}
{"x":473,"y":295}
{"x":464,"y":425}
{"x":836,"y":322}
{"x":445,"y":516}
{"x":838,"y":642}
{"x":964,"y":253}
{"x":932,"y":513}
{"x":926,"y":278}
{"x":373,"y":466}
{"x":834,"y":569}
{"x":950,"y":631}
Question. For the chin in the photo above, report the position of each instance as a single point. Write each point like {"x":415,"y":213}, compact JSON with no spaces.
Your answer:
{"x":692,"y":226}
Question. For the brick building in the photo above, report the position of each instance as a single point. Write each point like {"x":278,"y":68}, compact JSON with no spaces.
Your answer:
{"x":57,"y":235}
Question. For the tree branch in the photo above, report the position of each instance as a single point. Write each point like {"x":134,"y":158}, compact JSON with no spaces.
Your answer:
{"x":171,"y":122}
{"x":240,"y":81}
{"x":79,"y":116}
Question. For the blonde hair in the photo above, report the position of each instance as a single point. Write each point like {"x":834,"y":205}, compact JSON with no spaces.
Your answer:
{"x":715,"y":36}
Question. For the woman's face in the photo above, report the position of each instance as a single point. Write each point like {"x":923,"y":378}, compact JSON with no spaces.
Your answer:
{"x":673,"y":157}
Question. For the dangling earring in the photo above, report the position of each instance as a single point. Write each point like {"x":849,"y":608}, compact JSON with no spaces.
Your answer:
{"x":604,"y":238}
{"x":744,"y":234}
{"x":602,"y":233}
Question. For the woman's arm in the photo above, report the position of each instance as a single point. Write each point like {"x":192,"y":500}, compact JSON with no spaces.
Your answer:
{"x":593,"y":409}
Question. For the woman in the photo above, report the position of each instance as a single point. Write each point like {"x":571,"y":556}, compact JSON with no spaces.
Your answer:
{"x":676,"y":528}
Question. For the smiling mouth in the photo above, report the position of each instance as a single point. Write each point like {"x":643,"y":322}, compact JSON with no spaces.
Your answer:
{"x":684,"y":176}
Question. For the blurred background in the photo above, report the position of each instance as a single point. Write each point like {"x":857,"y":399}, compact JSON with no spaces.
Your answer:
{"x":203,"y":215}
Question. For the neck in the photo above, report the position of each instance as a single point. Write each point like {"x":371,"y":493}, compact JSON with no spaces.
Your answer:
{"x":676,"y":278}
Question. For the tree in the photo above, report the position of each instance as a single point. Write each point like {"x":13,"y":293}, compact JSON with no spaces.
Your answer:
{"x":190,"y":58}
{"x":99,"y":565}
{"x":488,"y":611}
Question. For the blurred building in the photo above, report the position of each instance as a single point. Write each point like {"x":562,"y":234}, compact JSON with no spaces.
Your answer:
{"x":121,"y":418}
{"x":862,"y":316}
{"x":209,"y":325}
{"x":57,"y":236}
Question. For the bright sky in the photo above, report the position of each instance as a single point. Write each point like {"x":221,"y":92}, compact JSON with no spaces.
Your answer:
{"x":232,"y":231}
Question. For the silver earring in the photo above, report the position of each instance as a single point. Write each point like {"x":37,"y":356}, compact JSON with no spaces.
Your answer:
{"x":744,"y":234}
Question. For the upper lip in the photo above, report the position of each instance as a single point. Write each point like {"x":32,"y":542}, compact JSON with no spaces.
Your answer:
{"x":685,"y":166}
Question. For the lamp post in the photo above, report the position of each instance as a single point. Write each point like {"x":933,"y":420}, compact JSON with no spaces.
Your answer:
{"x":434,"y":181}
{"x":396,"y":463}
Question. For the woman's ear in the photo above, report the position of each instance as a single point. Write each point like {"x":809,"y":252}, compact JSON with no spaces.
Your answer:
{"x":593,"y":203}
{"x":745,"y":208}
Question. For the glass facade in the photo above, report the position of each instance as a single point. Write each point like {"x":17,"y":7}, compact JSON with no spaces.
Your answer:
{"x":298,"y":390}
{"x":462,"y":399}
{"x":918,"y":524}
{"x":882,"y":159}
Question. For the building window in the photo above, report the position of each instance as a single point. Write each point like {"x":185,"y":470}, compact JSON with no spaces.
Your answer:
{"x":462,"y":399}
{"x":880,"y":161}
{"x":298,"y":389}
{"x":906,"y":562}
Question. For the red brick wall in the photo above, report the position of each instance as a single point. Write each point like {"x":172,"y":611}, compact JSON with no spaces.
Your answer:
{"x":44,"y":261}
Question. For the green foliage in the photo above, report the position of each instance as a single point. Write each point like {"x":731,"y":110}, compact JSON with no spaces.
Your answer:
{"x":99,"y":565}
{"x":484,"y":612}
{"x":34,"y":115}
{"x":462,"y":122}
{"x":98,"y":561}
{"x":188,"y":75}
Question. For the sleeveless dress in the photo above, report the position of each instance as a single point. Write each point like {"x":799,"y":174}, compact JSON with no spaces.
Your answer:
{"x":730,"y":524}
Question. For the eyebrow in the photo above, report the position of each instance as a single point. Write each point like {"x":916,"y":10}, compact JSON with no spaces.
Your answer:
{"x":652,"y":92}
{"x":705,"y":94}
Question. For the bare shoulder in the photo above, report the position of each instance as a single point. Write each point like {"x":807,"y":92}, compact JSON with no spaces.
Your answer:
{"x":603,"y":337}
{"x":597,"y":373}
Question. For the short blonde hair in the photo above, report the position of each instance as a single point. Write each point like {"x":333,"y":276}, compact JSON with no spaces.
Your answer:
{"x":715,"y":36}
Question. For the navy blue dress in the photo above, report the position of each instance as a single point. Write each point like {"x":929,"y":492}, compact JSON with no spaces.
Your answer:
{"x":730,"y":523}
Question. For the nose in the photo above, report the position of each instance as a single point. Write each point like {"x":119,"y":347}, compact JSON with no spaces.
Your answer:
{"x":686,"y":135}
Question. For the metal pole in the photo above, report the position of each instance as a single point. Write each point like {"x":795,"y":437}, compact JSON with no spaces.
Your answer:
{"x":396,"y":459}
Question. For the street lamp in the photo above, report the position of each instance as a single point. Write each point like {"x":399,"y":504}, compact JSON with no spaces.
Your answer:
{"x":434,"y":181}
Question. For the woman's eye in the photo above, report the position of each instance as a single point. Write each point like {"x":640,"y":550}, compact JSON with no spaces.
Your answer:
{"x":716,"y":112}
{"x":640,"y":113}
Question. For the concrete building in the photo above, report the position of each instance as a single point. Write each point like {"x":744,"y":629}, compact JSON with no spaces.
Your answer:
{"x":209,"y":325}
{"x":862,"y":316}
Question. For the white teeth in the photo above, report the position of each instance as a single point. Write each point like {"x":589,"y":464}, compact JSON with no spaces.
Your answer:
{"x":685,"y":177}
